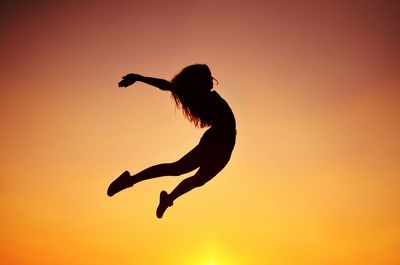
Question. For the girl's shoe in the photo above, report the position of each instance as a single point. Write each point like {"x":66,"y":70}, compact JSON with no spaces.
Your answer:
{"x":164,"y":204}
{"x":122,"y":182}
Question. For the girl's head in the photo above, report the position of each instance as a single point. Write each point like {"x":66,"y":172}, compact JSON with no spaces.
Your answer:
{"x":191,"y":86}
{"x":194,"y":79}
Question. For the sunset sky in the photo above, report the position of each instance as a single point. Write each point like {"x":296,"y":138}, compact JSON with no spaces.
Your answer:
{"x":315,"y":175}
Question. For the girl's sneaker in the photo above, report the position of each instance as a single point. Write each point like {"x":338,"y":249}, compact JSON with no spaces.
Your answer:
{"x":122,"y":182}
{"x":164,"y":204}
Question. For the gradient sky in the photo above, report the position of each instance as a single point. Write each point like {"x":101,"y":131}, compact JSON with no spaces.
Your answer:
{"x":315,"y":175}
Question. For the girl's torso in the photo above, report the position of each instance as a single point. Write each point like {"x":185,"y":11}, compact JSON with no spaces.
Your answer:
{"x":219,"y":115}
{"x":217,"y":112}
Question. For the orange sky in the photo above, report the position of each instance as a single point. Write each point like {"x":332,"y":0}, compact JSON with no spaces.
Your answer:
{"x":314,"y":177}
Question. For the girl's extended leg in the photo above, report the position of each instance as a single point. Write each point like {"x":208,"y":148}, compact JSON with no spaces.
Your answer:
{"x":187,"y":163}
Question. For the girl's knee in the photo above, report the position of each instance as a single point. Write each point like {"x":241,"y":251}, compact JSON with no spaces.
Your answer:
{"x":201,"y":180}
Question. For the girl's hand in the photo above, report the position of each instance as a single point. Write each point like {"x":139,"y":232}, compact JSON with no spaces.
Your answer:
{"x":128,"y":80}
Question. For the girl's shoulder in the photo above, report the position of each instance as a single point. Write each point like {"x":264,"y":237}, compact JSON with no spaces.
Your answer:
{"x":214,"y":95}
{"x":217,"y":98}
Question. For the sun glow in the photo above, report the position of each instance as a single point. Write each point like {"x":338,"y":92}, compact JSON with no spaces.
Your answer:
{"x":213,"y":254}
{"x":212,"y":262}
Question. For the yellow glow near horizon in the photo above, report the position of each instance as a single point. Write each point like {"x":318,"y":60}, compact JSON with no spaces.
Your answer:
{"x":212,"y":262}
{"x":212,"y":252}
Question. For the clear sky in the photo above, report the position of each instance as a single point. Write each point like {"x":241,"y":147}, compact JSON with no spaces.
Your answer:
{"x":315,"y":175}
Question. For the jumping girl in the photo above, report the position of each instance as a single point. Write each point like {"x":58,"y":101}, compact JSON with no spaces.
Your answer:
{"x":192,"y":91}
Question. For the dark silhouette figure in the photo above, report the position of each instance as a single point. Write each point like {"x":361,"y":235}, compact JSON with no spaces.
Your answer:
{"x":192,"y":91}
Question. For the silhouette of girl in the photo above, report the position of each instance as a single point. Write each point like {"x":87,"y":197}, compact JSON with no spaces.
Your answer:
{"x":192,"y":91}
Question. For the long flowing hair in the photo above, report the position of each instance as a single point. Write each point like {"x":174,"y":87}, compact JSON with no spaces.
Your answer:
{"x":191,"y":87}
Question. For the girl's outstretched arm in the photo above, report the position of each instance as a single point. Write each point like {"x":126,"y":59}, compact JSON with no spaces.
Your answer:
{"x":130,"y":79}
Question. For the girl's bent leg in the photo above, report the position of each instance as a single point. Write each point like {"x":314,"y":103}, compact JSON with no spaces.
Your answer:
{"x":199,"y":179}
